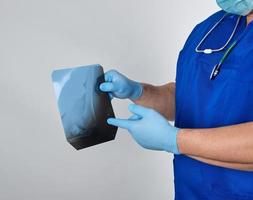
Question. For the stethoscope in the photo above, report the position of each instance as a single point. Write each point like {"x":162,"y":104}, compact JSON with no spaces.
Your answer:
{"x":217,"y":67}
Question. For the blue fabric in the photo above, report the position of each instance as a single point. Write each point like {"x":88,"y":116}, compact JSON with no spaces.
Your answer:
{"x":202,"y":103}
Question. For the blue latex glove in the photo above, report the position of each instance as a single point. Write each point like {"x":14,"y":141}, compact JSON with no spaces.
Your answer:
{"x":119,"y":86}
{"x":150,"y":129}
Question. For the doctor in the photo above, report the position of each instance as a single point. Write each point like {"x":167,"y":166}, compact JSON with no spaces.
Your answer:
{"x":211,"y":102}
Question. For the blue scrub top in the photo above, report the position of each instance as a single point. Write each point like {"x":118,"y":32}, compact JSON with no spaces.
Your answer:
{"x":202,"y":103}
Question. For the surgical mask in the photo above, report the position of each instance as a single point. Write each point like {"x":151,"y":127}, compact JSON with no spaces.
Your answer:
{"x":238,"y":7}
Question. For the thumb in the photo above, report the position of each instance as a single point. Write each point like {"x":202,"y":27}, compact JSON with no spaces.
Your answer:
{"x":135,"y":117}
{"x":139,"y":110}
{"x":107,"y":87}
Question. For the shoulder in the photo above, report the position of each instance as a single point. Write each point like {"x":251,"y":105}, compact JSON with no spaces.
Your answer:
{"x":214,"y":17}
{"x":211,"y":20}
{"x":200,"y":29}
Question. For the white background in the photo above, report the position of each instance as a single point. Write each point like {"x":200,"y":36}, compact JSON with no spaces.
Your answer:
{"x":140,"y":38}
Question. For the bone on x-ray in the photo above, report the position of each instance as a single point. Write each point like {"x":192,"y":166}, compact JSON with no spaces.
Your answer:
{"x":83,"y":107}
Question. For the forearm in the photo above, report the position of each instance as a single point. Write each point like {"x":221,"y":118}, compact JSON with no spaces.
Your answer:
{"x":231,"y":165}
{"x":160,"y":98}
{"x":226,"y":144}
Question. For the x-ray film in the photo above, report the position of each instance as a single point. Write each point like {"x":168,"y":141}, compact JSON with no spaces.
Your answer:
{"x":84,"y":109}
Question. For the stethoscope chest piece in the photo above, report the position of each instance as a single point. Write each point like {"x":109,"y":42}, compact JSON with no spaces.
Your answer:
{"x":215,"y":71}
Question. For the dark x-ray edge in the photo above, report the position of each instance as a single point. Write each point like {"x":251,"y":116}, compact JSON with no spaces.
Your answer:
{"x":88,"y":141}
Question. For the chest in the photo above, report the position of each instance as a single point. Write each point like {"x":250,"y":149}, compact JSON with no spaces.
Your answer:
{"x":228,"y":99}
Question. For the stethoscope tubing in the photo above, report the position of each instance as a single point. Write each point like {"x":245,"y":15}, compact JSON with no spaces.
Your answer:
{"x":209,"y":51}
{"x":217,"y":67}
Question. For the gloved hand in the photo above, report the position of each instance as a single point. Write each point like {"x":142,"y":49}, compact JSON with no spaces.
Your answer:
{"x":119,"y":86}
{"x":150,"y":129}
